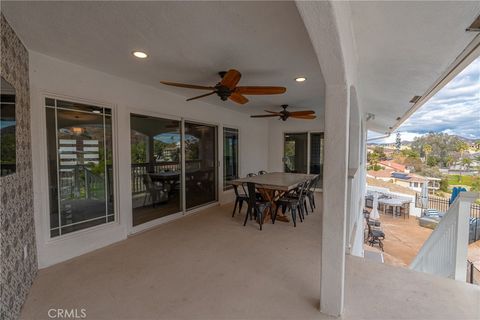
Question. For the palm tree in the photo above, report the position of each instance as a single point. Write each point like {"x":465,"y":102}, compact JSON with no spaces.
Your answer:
{"x":427,"y":149}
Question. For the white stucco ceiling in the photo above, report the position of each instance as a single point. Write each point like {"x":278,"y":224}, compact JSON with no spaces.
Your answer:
{"x":403,"y":47}
{"x":186,"y":42}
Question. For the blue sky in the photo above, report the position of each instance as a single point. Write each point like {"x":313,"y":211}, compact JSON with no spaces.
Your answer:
{"x":455,"y":109}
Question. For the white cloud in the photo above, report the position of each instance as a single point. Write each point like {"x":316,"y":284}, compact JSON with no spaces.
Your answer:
{"x":455,"y":109}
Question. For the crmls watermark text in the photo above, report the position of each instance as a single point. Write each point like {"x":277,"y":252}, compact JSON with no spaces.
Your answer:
{"x":67,"y":313}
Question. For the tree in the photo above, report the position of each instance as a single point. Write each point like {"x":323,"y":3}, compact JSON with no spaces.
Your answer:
{"x":444,"y":184}
{"x":398,"y":142}
{"x":443,"y":146}
{"x":427,"y":149}
{"x":374,"y":157}
{"x":462,"y":146}
{"x":466,"y":163}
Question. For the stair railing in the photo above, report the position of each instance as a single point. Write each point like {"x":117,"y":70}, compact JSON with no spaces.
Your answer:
{"x":444,"y":253}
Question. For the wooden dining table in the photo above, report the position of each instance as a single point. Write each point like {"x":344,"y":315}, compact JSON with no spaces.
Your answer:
{"x":273,"y":186}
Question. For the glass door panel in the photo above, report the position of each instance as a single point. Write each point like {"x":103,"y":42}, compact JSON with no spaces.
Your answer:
{"x":316,"y":156}
{"x":79,"y":149}
{"x":156,"y":167}
{"x":200,"y":164}
{"x":295,"y":152}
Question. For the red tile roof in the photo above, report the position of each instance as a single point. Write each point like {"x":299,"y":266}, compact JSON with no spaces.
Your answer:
{"x":386,"y":173}
{"x":393,"y":165}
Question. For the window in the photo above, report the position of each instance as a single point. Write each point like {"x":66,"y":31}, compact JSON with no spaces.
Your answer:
{"x":303,"y":153}
{"x":80,"y":166}
{"x":8,"y":149}
{"x":230,"y":156}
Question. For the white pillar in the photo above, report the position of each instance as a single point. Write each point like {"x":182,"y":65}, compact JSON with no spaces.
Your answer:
{"x":334,"y":200}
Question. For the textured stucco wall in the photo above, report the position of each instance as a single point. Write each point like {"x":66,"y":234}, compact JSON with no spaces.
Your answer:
{"x":16,"y":204}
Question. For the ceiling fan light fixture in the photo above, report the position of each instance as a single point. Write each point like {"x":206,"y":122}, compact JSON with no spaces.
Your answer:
{"x":300,"y":79}
{"x":140,"y":54}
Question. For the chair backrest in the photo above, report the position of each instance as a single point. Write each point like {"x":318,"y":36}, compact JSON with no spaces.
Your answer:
{"x":262,"y":172}
{"x":303,"y":189}
{"x":312,"y":184}
{"x":235,"y":188}
{"x":251,"y":175}
{"x":369,"y":227}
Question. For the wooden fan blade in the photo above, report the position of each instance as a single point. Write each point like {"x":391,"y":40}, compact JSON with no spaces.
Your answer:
{"x":231,"y":78}
{"x":310,"y":117}
{"x":275,"y":112}
{"x":201,"y":96}
{"x":302,"y":113}
{"x":260,"y":90}
{"x":264,"y":115}
{"x":238,"y":98}
{"x":184,"y":85}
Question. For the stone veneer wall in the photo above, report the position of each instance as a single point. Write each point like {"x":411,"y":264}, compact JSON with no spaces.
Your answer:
{"x":16,"y":192}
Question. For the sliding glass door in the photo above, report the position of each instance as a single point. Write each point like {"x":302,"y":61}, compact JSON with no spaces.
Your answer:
{"x":156,"y":167}
{"x":295,"y":152}
{"x":303,"y":153}
{"x":200,"y":164}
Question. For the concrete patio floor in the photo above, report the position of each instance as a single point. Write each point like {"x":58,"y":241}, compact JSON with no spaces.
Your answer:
{"x":208,"y":266}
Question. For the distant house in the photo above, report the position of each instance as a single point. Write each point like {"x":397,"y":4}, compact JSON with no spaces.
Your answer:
{"x":392,"y":165}
{"x":405,"y":179}
{"x":385,"y":174}
{"x":415,"y":182}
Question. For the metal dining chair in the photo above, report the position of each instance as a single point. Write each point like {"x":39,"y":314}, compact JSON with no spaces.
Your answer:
{"x":256,"y":207}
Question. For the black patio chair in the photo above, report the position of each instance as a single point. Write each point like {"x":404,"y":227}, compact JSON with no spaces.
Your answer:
{"x":239,"y":199}
{"x":292,"y":202}
{"x":256,"y":207}
{"x":375,"y":236}
{"x":311,"y":193}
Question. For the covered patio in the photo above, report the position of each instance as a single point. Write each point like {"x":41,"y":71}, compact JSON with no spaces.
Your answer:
{"x":161,"y":242}
{"x":207,"y":267}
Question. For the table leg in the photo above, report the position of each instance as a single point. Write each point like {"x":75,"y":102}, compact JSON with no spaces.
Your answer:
{"x":271,"y":196}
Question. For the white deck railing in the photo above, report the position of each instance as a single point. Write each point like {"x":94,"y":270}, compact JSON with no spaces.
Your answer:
{"x":445,"y":251}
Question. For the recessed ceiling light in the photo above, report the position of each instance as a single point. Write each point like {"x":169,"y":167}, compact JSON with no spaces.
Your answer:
{"x":140,"y":54}
{"x":300,"y":79}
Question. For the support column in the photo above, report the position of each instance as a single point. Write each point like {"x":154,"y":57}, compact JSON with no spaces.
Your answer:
{"x":334,"y":200}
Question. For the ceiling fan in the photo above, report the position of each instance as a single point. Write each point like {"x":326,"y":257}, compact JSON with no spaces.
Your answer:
{"x":284,"y":114}
{"x":227,"y":88}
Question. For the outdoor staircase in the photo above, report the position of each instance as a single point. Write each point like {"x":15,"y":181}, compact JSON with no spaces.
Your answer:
{"x":445,"y":251}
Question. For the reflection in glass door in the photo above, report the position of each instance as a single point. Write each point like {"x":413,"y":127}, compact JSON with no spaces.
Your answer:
{"x":156,"y":167}
{"x":200,"y":164}
{"x":295,"y":152}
